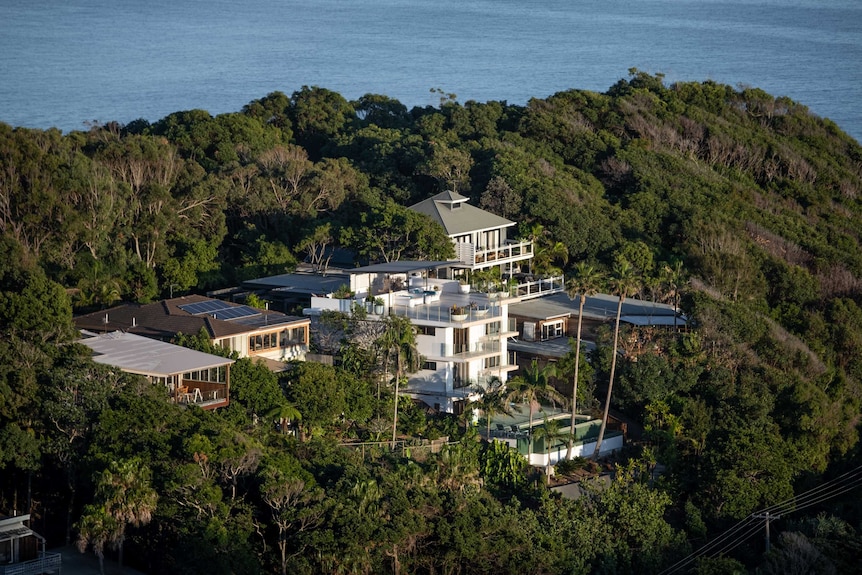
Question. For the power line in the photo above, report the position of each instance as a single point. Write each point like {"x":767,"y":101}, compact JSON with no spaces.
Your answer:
{"x":828,"y":490}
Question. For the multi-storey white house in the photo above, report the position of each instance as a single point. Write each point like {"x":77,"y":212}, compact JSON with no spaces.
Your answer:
{"x":463,"y":351}
{"x":461,"y":336}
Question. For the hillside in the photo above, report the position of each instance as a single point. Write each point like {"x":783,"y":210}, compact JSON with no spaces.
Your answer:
{"x":744,"y":205}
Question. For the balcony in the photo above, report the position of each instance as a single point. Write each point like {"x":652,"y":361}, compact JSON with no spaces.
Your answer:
{"x":45,"y":563}
{"x":204,"y":394}
{"x":480,"y":257}
{"x":461,"y":353}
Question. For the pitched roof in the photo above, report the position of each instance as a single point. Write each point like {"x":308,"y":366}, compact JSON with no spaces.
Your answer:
{"x":451,"y":210}
{"x":165,"y":319}
{"x":137,"y":354}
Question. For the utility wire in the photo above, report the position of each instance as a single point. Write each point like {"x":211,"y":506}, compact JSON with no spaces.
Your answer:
{"x":832,"y":488}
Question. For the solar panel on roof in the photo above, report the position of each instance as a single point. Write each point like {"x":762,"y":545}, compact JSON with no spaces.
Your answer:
{"x":237,"y":312}
{"x":205,"y":307}
{"x":219,"y":309}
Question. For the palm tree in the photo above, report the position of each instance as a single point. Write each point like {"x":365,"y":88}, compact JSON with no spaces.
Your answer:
{"x":549,"y":433}
{"x":399,"y":347}
{"x":128,"y":498}
{"x":96,"y":527}
{"x":535,"y":384}
{"x":547,"y":254}
{"x":584,"y":283}
{"x":673,"y":276}
{"x":494,"y":402}
{"x":624,"y":283}
{"x":284,"y":413}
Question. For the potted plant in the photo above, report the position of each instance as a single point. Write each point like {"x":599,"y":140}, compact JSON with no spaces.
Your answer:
{"x":458,"y":313}
{"x":343,"y":292}
{"x":463,"y":285}
{"x":378,"y":305}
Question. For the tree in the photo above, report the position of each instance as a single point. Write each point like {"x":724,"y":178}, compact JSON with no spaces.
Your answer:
{"x":534,"y":385}
{"x":391,"y":232}
{"x":624,"y":283}
{"x":96,"y":528}
{"x":549,"y":433}
{"x":500,"y":199}
{"x":449,"y":166}
{"x":284,"y":413}
{"x":293,"y":498}
{"x":546,"y":255}
{"x":126,"y":497}
{"x":318,"y":393}
{"x":399,"y":347}
{"x":584,"y":283}
{"x":494,"y":401}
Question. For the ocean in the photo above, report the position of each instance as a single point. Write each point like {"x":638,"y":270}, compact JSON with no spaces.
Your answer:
{"x":68,"y":63}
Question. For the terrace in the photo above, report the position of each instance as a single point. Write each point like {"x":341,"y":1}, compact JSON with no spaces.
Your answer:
{"x":514,"y":431}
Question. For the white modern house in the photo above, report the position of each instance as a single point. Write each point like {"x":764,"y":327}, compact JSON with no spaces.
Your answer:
{"x":462,"y":335}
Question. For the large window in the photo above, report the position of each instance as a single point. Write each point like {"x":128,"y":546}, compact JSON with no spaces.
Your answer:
{"x":263,"y":341}
{"x":432,"y":365}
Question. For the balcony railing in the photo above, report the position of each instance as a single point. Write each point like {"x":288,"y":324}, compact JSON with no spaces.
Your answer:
{"x":45,"y":563}
{"x":538,"y":287}
{"x":443,"y":313}
{"x":463,"y":352}
{"x":474,"y":255}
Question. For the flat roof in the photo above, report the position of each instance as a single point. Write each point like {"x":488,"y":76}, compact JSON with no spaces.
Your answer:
{"x":402,"y":267}
{"x":598,"y":307}
{"x":300,"y":282}
{"x":146,"y":356}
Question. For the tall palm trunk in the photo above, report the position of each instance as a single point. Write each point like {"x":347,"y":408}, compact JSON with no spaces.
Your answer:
{"x":611,"y":379}
{"x":395,"y":416}
{"x":575,"y":380}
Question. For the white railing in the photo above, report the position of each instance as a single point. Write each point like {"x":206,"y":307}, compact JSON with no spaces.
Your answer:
{"x":473,"y":255}
{"x":46,"y":563}
{"x":539,"y":287}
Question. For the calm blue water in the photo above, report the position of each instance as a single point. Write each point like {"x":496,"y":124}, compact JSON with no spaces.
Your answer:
{"x":65,"y":62}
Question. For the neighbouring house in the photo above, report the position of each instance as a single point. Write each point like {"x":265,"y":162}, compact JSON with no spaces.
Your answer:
{"x":545,"y":324}
{"x":191,"y":377}
{"x":248,"y":331}
{"x":482,"y":239}
{"x":22,"y":550}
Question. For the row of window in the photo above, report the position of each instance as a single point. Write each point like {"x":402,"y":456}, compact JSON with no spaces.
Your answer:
{"x":214,"y":374}
{"x":275,"y":340}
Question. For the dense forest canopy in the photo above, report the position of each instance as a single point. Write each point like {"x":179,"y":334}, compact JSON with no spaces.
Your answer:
{"x":743,"y":207}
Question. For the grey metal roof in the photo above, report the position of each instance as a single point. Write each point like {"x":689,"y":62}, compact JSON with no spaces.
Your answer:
{"x":138,"y":354}
{"x":451,"y":210}
{"x":401,"y":267}
{"x":598,"y":307}
{"x":300,"y":282}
